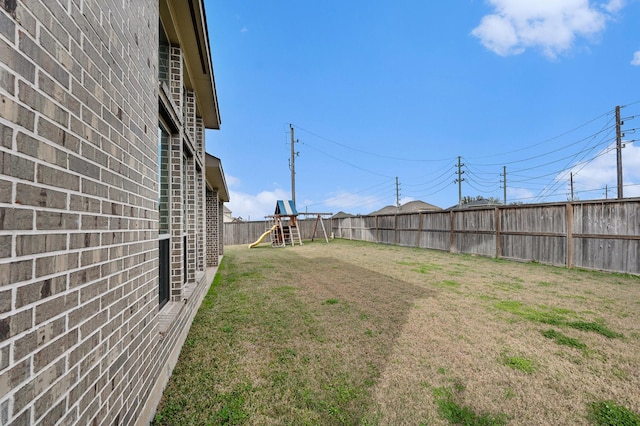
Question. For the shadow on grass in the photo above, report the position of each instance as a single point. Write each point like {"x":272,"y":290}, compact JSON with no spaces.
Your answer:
{"x":287,"y":339}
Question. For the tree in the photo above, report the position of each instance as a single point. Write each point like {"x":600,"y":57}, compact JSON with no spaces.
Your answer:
{"x":491,"y":200}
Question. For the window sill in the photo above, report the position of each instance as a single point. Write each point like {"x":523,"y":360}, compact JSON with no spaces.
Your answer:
{"x":168,"y":314}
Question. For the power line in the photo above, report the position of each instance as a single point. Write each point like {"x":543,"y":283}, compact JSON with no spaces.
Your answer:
{"x":373,"y":154}
{"x":345,"y":162}
{"x":550,"y":139}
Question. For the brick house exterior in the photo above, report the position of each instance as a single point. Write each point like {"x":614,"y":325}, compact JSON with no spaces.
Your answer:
{"x":110,"y":209}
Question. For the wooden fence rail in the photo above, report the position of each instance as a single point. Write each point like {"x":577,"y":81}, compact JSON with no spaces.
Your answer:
{"x":602,"y":235}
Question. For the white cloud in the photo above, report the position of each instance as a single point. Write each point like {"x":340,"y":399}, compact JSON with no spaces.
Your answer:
{"x":614,"y":6}
{"x":551,"y":25}
{"x":255,"y":207}
{"x":405,"y":200}
{"x":232,"y":180}
{"x":353,"y":203}
{"x":602,"y":172}
{"x":636,"y":59}
{"x":244,"y":29}
{"x":519,"y":195}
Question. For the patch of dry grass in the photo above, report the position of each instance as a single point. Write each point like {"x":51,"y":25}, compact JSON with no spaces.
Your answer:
{"x":356,"y":333}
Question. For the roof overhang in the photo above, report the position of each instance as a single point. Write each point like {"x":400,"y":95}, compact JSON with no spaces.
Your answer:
{"x":215,"y":177}
{"x":186,"y":25}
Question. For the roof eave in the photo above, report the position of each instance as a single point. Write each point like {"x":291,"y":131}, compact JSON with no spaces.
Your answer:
{"x":191,"y":33}
{"x":215,"y":177}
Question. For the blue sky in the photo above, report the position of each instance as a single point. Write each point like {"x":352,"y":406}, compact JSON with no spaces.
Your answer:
{"x":379,"y":90}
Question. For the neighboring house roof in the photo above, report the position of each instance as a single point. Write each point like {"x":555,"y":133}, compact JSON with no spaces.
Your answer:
{"x":418,"y":206}
{"x":226,"y":210}
{"x":475,"y":204}
{"x":386,"y":210}
{"x":410,"y":207}
{"x":190,"y":33}
{"x":215,"y":176}
{"x":341,"y":215}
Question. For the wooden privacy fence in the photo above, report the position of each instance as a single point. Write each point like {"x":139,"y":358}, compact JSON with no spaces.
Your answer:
{"x":248,"y":232}
{"x":603,"y":235}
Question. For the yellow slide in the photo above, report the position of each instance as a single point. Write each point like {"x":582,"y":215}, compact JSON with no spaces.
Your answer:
{"x":263,"y":236}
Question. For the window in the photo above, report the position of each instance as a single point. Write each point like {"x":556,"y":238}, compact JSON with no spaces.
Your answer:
{"x":186,"y":202}
{"x":164,"y":53}
{"x":164,"y":240}
{"x":163,"y":179}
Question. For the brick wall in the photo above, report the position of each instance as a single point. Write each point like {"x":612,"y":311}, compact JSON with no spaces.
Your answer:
{"x":213,"y":225}
{"x":80,"y":334}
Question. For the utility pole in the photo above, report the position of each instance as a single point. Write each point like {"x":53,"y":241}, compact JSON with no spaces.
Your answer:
{"x":459,"y":182}
{"x":606,"y":192}
{"x":292,"y":166}
{"x":397,"y":193}
{"x":619,"y":152}
{"x":504,"y":183}
{"x":571,"y":182}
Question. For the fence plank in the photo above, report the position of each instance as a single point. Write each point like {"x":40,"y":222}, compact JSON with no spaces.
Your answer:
{"x":602,"y":235}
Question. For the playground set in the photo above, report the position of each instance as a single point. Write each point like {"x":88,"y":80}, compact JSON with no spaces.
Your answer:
{"x":283,"y":226}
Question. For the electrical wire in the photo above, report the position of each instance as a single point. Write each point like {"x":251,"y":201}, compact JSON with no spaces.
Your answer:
{"x":343,"y":161}
{"x":487,"y":181}
{"x":362,"y":151}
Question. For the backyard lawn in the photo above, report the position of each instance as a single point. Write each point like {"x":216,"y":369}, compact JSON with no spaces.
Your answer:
{"x":361,"y":334}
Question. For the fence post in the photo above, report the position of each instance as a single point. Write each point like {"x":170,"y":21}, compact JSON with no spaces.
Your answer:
{"x":395,"y":230}
{"x":419,"y":229}
{"x":451,"y":239}
{"x":569,"y":240}
{"x":498,"y":236}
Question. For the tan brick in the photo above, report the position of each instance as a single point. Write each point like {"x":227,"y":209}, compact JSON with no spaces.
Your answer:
{"x":59,"y":178}
{"x":90,"y":257}
{"x":31,"y":49}
{"x":56,"y":306}
{"x":39,"y":196}
{"x":38,"y":338}
{"x":84,"y":204}
{"x":85,"y":385}
{"x":54,"y":220}
{"x":11,"y":378}
{"x":6,"y":136}
{"x":19,"y":167}
{"x":40,"y":243}
{"x":84,"y":276}
{"x":7,"y":81}
{"x":38,"y":149}
{"x":6,"y":245}
{"x":86,"y":347}
{"x":55,"y":133}
{"x":90,"y":222}
{"x":54,"y":349}
{"x":97,"y":321}
{"x":83,"y":312}
{"x":15,"y":324}
{"x":15,"y":219}
{"x":5,"y":301}
{"x":56,"y":264}
{"x":46,"y":415}
{"x":25,"y":395}
{"x":18,"y":63}
{"x":40,"y":290}
{"x":93,"y":290}
{"x":16,"y":271}
{"x":4,"y":357}
{"x":84,"y":167}
{"x":84,"y":240}
{"x":6,"y":191}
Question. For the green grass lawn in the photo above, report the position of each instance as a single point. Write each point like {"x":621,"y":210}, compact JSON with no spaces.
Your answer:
{"x":353,"y":333}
